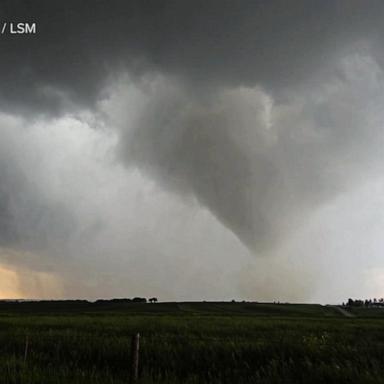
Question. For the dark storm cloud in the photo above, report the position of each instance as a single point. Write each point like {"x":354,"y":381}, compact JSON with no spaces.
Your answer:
{"x":80,"y":45}
{"x":201,"y":134}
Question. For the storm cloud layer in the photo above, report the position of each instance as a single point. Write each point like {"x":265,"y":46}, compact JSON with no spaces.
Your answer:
{"x":236,"y":123}
{"x":80,"y":46}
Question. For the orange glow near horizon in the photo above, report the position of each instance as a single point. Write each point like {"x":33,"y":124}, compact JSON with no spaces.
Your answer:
{"x":21,"y":282}
{"x":9,"y":284}
{"x":26,"y":284}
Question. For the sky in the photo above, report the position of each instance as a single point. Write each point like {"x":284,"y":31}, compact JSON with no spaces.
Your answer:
{"x":192,"y":150}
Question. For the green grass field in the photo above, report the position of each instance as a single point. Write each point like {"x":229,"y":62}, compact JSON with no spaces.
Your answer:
{"x":199,"y":342}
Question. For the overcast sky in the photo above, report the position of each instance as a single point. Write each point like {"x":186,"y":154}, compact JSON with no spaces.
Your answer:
{"x":192,"y":150}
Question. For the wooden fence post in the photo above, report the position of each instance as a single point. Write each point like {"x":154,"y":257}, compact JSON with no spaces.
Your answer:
{"x":26,"y":348}
{"x":135,"y":345}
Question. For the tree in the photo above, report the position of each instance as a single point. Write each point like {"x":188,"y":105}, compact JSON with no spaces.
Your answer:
{"x":153,"y":300}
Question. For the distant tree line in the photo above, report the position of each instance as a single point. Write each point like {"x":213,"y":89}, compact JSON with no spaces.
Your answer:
{"x":125,"y":300}
{"x":365,"y":303}
{"x":77,"y":302}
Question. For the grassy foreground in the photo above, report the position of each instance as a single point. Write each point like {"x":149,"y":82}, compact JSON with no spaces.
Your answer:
{"x":189,"y":343}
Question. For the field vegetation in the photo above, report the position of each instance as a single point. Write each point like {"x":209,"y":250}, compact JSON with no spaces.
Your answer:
{"x":202,"y":342}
